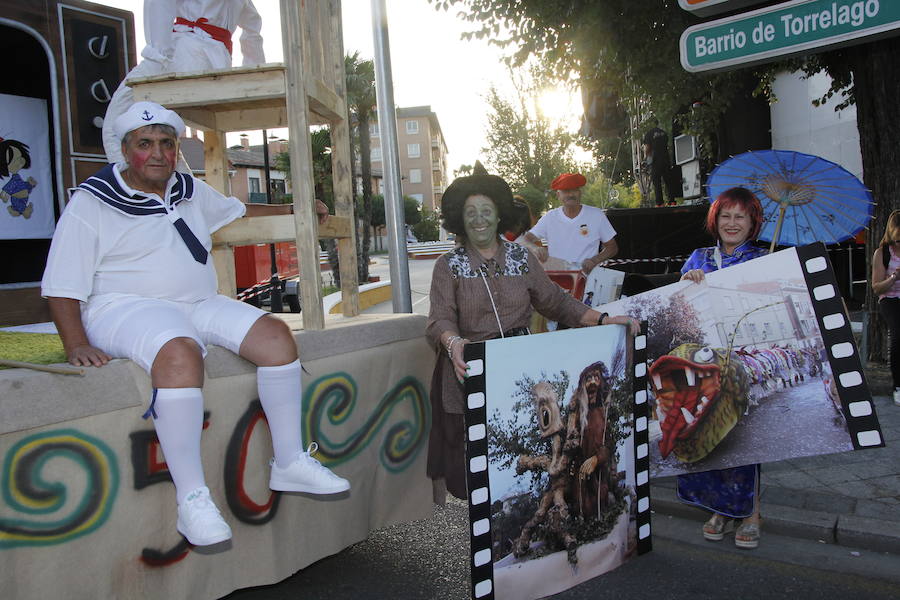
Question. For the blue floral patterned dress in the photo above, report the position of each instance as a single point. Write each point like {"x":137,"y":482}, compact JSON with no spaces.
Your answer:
{"x":729,"y":492}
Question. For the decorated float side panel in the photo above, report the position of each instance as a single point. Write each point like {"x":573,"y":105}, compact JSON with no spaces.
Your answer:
{"x":557,"y":456}
{"x":93,"y":497}
{"x":756,"y":364}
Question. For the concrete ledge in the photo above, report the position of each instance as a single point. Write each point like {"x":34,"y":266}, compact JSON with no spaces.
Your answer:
{"x":370,"y":294}
{"x":31,"y":399}
{"x":872,"y":534}
{"x":797,"y":522}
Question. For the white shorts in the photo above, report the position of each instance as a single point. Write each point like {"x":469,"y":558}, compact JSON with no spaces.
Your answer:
{"x":135,"y":327}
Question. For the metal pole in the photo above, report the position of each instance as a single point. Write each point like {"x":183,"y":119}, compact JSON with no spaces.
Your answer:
{"x":393,"y":200}
{"x":276,"y":305}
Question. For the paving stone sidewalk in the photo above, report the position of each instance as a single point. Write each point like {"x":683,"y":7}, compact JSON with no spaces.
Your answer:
{"x":852,"y":499}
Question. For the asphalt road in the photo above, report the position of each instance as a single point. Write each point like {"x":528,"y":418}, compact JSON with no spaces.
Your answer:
{"x":428,"y":560}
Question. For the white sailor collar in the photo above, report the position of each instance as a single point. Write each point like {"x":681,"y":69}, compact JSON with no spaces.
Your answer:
{"x":108,"y":186}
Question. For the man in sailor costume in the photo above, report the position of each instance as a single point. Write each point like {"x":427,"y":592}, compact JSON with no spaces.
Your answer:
{"x":129,"y":275}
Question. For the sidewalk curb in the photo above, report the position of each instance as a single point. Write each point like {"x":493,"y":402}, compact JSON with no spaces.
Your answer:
{"x":845,"y":530}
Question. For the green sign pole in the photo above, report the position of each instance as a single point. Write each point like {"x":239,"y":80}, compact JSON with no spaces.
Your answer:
{"x":796,"y":27}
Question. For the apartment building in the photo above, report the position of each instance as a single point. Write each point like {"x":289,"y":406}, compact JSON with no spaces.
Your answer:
{"x":423,"y":155}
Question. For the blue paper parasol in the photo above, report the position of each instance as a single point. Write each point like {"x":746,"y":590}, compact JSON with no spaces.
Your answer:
{"x":805,"y":198}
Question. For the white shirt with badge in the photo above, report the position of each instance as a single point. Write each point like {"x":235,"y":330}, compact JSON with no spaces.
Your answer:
{"x":99,"y":253}
{"x":574,"y":240}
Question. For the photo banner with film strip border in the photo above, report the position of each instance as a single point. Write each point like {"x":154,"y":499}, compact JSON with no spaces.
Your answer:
{"x":755,"y":364}
{"x":558,"y":459}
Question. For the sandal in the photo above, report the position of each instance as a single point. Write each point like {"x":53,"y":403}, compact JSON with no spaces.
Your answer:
{"x":716,"y":527}
{"x":747,"y":536}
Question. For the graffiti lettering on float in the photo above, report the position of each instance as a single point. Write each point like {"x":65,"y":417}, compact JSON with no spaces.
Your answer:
{"x":57,"y":511}
{"x":330,"y":402}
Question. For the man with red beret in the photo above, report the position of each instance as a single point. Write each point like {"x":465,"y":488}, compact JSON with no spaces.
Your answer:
{"x":574,"y":232}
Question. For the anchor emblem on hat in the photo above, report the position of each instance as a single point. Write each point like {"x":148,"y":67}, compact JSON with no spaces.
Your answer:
{"x":146,"y":116}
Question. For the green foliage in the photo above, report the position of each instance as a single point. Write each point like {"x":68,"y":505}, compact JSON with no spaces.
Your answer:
{"x":320,"y":141}
{"x":600,"y":193}
{"x":537,"y":200}
{"x":522,"y":145}
{"x":412,"y":212}
{"x":428,"y":229}
{"x":627,"y":49}
{"x":671,"y":323}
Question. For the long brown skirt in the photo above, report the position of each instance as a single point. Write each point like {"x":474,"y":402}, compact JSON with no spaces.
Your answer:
{"x":447,"y":442}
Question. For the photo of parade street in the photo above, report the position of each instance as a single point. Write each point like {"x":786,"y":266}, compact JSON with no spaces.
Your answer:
{"x":738,"y":371}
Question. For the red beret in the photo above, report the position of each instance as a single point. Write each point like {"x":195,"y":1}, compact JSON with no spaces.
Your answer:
{"x":568,"y":181}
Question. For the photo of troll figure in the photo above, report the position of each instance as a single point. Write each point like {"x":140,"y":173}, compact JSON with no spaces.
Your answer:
{"x":560,"y":446}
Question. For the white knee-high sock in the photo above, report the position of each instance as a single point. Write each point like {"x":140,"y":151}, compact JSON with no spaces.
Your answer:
{"x":179,"y":422}
{"x":280,"y":393}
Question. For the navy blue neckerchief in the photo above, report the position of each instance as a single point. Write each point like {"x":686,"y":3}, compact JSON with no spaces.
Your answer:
{"x":104,"y":186}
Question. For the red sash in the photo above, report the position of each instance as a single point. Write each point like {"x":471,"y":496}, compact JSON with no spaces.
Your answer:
{"x":217,"y":33}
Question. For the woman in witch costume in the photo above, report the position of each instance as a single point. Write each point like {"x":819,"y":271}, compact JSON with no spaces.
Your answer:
{"x":485,"y":288}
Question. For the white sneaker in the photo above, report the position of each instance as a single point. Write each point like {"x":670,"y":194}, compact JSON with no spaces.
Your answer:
{"x":897,"y":396}
{"x":306,"y":474}
{"x":200,"y":521}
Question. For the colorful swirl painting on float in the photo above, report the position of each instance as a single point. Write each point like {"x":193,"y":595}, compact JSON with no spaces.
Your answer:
{"x":333,"y":397}
{"x":27,"y":491}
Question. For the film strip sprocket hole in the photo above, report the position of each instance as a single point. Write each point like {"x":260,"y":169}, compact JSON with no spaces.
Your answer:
{"x":843,"y":357}
{"x":481,"y":561}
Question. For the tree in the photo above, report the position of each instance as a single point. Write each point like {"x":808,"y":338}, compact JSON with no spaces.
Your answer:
{"x":630,"y":48}
{"x":361,"y":104}
{"x":522,"y":145}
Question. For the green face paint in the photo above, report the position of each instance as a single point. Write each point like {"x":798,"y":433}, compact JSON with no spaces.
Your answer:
{"x":480,"y":220}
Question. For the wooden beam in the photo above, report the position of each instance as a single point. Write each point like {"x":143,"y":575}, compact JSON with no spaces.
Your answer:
{"x":342,"y":179}
{"x":301,"y":167}
{"x":223,"y":261}
{"x":216,"y":161}
{"x":209,"y":88}
{"x":276,"y":228}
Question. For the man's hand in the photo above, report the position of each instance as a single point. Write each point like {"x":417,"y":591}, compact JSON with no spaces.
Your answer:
{"x":87,"y":356}
{"x":541,"y":253}
{"x":588,"y":265}
{"x":321,"y":212}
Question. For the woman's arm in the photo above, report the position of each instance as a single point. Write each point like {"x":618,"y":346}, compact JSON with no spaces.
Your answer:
{"x":443,"y":317}
{"x":881,"y":281}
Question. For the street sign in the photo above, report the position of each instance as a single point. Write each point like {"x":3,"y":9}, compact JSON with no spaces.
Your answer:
{"x":791,"y":28}
{"x":704,"y":8}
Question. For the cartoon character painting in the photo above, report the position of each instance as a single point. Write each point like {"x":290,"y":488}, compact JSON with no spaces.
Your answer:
{"x":14,"y":156}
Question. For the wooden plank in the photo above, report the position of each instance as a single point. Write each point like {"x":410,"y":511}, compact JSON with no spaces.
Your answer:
{"x":216,"y":161}
{"x":340,"y":162}
{"x":276,"y":228}
{"x":22,"y":306}
{"x":263,"y":117}
{"x":324,"y":102}
{"x":224,"y":87}
{"x":223,"y":261}
{"x":301,"y":166}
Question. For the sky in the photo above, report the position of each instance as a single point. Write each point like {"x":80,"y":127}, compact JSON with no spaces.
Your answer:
{"x":431,"y":65}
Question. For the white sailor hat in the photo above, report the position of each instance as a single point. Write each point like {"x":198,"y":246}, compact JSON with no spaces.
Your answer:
{"x":144,"y":113}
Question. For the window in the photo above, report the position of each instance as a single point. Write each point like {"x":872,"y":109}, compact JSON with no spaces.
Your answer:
{"x":373,"y":130}
{"x":413,"y":151}
{"x":418,"y":198}
{"x":412,"y":127}
{"x":376,"y":153}
{"x":415,"y":175}
{"x":254,"y":184}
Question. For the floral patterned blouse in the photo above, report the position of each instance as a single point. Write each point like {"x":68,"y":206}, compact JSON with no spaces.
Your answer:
{"x":460,"y":301}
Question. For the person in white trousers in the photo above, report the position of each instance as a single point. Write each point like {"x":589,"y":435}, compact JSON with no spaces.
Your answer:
{"x":129,"y":275}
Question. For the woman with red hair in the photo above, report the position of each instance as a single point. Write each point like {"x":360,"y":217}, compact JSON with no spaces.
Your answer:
{"x":734,"y":220}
